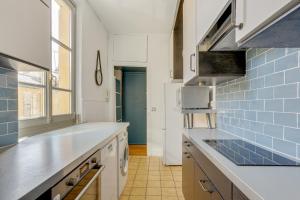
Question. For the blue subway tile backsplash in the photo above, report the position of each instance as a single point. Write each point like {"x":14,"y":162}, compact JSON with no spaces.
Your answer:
{"x":8,"y":107}
{"x":264,"y":106}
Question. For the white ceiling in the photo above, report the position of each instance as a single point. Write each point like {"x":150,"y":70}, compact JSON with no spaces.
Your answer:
{"x":136,"y":16}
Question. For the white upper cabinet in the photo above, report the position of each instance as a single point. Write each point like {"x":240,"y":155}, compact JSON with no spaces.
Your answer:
{"x":130,"y":48}
{"x":253,"y":13}
{"x":189,"y":40}
{"x":25,"y":32}
{"x":206,"y":14}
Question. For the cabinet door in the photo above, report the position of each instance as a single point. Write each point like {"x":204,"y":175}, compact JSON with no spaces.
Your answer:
{"x":253,"y":13}
{"x":187,"y":175}
{"x":199,"y":192}
{"x":189,"y":40}
{"x":26,"y":31}
{"x":207,"y":12}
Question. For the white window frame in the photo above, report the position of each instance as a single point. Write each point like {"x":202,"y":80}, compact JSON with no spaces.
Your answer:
{"x":43,"y":123}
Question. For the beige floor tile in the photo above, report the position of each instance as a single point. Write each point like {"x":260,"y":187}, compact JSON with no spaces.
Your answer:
{"x":178,"y":184}
{"x":127,"y":191}
{"x":177,"y":178}
{"x":137,"y":183}
{"x":153,"y":191}
{"x":154,"y":184}
{"x":141,"y":177}
{"x":177,"y":173}
{"x":129,"y":183}
{"x":167,"y":184}
{"x":153,"y":198}
{"x":137,"y":197}
{"x":154,"y":177}
{"x":166,"y":173}
{"x":169,"y":192}
{"x":166,"y":178}
{"x":154,"y":172}
{"x":142,"y":171}
{"x":123,"y":197}
{"x":138,"y":192}
{"x":169,"y":198}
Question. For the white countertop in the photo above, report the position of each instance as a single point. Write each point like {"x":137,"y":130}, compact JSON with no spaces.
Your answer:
{"x":37,"y":163}
{"x":256,"y":182}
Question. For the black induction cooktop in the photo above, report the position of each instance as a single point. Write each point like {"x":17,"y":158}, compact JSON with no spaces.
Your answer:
{"x":243,"y":153}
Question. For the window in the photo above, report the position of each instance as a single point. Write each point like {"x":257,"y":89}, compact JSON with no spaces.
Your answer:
{"x":44,"y":100}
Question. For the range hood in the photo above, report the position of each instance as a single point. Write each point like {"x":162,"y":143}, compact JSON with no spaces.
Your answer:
{"x":279,"y":31}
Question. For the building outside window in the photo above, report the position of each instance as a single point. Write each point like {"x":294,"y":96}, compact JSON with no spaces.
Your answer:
{"x":48,"y":97}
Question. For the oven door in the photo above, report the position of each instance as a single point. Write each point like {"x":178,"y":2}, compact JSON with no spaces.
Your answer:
{"x":89,"y":187}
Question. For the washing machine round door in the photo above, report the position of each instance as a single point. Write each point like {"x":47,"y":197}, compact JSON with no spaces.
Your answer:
{"x":124,"y":163}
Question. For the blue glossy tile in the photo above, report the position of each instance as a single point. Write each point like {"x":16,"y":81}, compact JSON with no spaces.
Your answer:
{"x":292,"y":50}
{"x":2,"y":81}
{"x":257,"y":127}
{"x":251,"y":53}
{"x":249,"y":135}
{"x":275,"y":53}
{"x":292,"y":105}
{"x":274,"y":79}
{"x":266,"y":69}
{"x":3,"y":129}
{"x":259,"y":60}
{"x":287,"y":62}
{"x":257,"y":105}
{"x":250,"y":115}
{"x":292,"y":76}
{"x":8,"y":139}
{"x":286,"y":91}
{"x":285,"y":119}
{"x":245,"y":85}
{"x":251,"y":95}
{"x":12,"y":127}
{"x":12,"y":82}
{"x":244,"y":105}
{"x":12,"y":104}
{"x":8,"y":116}
{"x":3,"y":70}
{"x":3,"y":105}
{"x":292,"y":134}
{"x":257,"y":83}
{"x":273,"y":131}
{"x":284,"y":147}
{"x":274,"y":105}
{"x":266,"y":117}
{"x":261,"y":50}
{"x":263,"y":140}
{"x":266,"y":93}
{"x":252,"y":73}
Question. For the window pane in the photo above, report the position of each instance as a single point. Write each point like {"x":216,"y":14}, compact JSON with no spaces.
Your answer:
{"x":37,"y":78}
{"x":61,"y":22}
{"x":61,"y":102}
{"x":31,"y":102}
{"x":61,"y":67}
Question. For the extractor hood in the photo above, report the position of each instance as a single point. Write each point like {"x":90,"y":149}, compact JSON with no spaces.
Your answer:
{"x":279,"y":31}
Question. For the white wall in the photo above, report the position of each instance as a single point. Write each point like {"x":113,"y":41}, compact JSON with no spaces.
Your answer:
{"x":157,"y":74}
{"x":92,"y":102}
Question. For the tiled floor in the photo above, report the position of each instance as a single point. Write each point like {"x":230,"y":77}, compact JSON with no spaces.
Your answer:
{"x":149,"y":179}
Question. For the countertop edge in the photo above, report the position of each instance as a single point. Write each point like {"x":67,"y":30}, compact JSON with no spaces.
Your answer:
{"x":235,"y":179}
{"x":39,"y":190}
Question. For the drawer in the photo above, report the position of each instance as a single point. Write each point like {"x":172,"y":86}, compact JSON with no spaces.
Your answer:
{"x":237,"y":194}
{"x":220,"y":181}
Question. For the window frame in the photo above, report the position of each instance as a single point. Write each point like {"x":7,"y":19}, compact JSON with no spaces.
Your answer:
{"x":50,"y":120}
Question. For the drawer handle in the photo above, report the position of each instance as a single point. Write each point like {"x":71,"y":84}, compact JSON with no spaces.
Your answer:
{"x":201,"y":183}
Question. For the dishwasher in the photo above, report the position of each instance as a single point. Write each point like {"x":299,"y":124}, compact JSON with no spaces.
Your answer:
{"x":83,"y":183}
{"x":109,"y":179}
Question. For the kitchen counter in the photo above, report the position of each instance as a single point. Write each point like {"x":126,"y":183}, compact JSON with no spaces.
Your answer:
{"x":256,"y":182}
{"x":34,"y":165}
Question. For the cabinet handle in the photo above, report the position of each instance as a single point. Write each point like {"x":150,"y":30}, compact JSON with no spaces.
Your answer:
{"x":240,"y":19}
{"x":204,"y":189}
{"x":191,"y":62}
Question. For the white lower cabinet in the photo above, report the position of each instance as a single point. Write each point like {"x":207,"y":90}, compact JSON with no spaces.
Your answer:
{"x":25,"y":31}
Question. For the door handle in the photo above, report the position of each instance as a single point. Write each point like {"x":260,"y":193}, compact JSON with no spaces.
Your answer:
{"x":191,"y":62}
{"x":203,"y":187}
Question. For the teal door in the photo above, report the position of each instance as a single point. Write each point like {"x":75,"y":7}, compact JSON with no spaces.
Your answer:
{"x":134,"y":105}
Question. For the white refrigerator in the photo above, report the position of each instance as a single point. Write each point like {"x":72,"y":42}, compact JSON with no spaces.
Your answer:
{"x":173,"y":129}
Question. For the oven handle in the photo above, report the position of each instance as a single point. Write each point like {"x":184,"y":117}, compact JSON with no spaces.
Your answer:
{"x":89,"y":183}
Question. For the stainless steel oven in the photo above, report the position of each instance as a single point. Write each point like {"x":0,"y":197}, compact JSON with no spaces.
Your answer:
{"x":83,"y":183}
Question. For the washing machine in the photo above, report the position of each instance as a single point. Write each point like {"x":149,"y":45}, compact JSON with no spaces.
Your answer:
{"x":123,"y":160}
